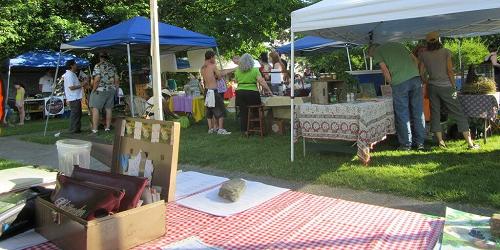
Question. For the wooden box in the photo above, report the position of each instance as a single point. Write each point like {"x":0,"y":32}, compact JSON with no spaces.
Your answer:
{"x":320,"y":90}
{"x":129,"y":228}
{"x":119,"y":231}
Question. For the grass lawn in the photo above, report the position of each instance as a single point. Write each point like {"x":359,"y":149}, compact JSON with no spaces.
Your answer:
{"x":5,"y":164}
{"x":29,"y":127}
{"x":452,"y":175}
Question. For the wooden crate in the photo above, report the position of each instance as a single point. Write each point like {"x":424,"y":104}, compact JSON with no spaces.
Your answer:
{"x":128,"y":228}
{"x":321,"y":88}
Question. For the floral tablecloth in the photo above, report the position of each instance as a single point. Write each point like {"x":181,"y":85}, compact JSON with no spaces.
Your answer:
{"x":480,"y":106}
{"x":365,"y":122}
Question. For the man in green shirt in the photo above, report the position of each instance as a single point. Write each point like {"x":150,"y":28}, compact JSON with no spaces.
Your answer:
{"x":400,"y":69}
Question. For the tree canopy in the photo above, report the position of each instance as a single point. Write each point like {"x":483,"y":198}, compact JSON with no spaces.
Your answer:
{"x":238,"y":25}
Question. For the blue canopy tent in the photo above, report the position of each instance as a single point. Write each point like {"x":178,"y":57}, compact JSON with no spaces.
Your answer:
{"x":41,"y":59}
{"x":315,"y":45}
{"x":135,"y":35}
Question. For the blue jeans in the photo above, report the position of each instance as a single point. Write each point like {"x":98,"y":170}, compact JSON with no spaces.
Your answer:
{"x":407,"y":99}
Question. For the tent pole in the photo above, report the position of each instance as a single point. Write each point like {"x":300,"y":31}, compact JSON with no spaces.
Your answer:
{"x":7,"y":93}
{"x":292,"y":93}
{"x":348,"y":57}
{"x":130,"y":85}
{"x":54,"y":83}
{"x":460,"y":60}
{"x":155,"y":57}
{"x":364,"y":56}
{"x":218,"y":56}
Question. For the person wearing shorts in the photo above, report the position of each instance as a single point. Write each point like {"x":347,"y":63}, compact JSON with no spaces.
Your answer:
{"x":211,"y":75}
{"x":20,"y":91}
{"x":218,"y":111}
{"x":105,"y":83}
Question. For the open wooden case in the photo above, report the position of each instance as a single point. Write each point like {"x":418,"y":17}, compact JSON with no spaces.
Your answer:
{"x":159,"y":141}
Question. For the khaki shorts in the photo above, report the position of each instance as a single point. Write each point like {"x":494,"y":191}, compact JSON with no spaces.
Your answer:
{"x":102,"y":99}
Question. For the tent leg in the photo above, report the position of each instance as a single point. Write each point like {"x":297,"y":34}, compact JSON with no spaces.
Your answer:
{"x":130,"y":81}
{"x":460,"y":61}
{"x":292,"y":93}
{"x":155,"y":56}
{"x":348,"y":57}
{"x":218,"y":56}
{"x":7,"y":94}
{"x":52,"y":94}
{"x":364,"y":56}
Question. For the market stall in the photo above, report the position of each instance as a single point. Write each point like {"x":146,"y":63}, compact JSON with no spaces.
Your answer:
{"x":39,"y":61}
{"x":134,"y":37}
{"x":368,"y":21}
{"x":194,"y":105}
{"x":316,"y":45}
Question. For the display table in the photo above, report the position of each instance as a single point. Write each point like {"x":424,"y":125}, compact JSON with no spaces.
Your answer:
{"x":188,"y":104}
{"x":296,"y":220}
{"x":365,"y":122}
{"x":481,"y":106}
{"x":280,"y":105}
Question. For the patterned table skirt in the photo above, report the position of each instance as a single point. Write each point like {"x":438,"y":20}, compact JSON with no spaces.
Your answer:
{"x":366,"y":123}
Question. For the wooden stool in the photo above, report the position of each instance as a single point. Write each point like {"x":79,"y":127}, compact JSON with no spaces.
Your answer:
{"x":255,"y":123}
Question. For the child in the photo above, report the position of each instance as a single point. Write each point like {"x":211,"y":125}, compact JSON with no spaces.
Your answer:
{"x":20,"y":101}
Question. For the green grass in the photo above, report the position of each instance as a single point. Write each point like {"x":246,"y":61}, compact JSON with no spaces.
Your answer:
{"x":5,"y":164}
{"x":452,"y":175}
{"x":30,"y":127}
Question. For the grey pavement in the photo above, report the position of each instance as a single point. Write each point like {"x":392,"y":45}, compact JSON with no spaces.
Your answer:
{"x":35,"y":154}
{"x":46,"y":155}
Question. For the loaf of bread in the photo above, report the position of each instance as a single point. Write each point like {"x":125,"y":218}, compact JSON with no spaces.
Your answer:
{"x":232,"y":189}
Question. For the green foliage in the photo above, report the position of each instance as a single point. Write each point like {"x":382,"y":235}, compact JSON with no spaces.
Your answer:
{"x":473,"y":51}
{"x":35,"y":24}
{"x":336,"y":62}
{"x":240,"y":26}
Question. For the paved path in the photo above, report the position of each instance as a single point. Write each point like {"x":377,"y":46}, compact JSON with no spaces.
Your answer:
{"x":38,"y":154}
{"x":34,"y":153}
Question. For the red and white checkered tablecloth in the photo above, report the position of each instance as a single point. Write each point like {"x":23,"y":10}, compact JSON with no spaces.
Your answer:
{"x":296,"y":220}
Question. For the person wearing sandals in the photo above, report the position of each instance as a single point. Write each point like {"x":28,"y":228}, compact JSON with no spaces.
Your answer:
{"x":436,"y":69}
{"x":105,"y":83}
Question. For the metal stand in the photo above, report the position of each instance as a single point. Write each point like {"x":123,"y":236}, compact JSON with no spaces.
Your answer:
{"x":52,"y":94}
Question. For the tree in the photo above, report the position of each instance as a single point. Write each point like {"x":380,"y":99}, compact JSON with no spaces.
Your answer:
{"x":473,"y":51}
{"x":240,"y":26}
{"x":45,"y":24}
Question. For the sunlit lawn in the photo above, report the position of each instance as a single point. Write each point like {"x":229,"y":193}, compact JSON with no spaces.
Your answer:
{"x":38,"y":126}
{"x":452,"y":175}
{"x":5,"y":164}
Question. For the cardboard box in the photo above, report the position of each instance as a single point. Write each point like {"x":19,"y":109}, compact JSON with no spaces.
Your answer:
{"x":130,"y":228}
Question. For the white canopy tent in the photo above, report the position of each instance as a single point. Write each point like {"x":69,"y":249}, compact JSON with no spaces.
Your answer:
{"x":393,"y":20}
{"x":363,"y":21}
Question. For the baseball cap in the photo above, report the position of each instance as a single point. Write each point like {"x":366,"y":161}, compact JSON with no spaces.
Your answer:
{"x":432,"y":36}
